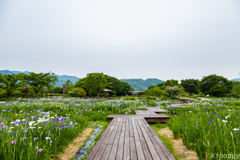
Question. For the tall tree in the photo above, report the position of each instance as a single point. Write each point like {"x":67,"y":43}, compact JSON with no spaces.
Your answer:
{"x":82,"y":84}
{"x":191,"y":85}
{"x":97,"y":82}
{"x":236,"y":88}
{"x":119,"y":87}
{"x":211,"y":81}
{"x":39,"y":80}
{"x":11,"y":82}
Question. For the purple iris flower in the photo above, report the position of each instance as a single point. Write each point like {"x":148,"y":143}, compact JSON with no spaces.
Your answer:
{"x":210,"y":122}
{"x":212,"y":119}
{"x":196,"y":122}
{"x":40,"y":150}
{"x":12,"y":142}
{"x":214,"y":113}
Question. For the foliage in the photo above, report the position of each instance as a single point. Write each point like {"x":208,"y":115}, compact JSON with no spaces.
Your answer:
{"x":97,"y":82}
{"x":41,"y":128}
{"x":175,"y":90}
{"x":121,"y":88}
{"x":210,"y":81}
{"x":39,"y":80}
{"x":82,"y":83}
{"x":171,"y":83}
{"x":11,"y":82}
{"x":218,"y":90}
{"x":191,"y":85}
{"x":69,"y":84}
{"x":207,"y":127}
{"x":150,"y":87}
{"x":58,"y":90}
{"x":77,"y":92}
{"x":236,"y":88}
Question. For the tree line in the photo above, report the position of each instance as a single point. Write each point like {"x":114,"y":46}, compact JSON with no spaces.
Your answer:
{"x":212,"y":85}
{"x":92,"y":85}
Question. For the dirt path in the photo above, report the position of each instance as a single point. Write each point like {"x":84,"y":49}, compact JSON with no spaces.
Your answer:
{"x":74,"y":146}
{"x":178,"y":146}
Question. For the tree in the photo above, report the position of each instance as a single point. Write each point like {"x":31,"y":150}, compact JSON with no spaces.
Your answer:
{"x":191,"y":85}
{"x":58,"y":90}
{"x":69,"y":84}
{"x":218,"y":90}
{"x":82,"y":83}
{"x":39,"y":80}
{"x":11,"y":82}
{"x":175,"y":90}
{"x":97,"y":82}
{"x":150,"y":87}
{"x":156,"y":91}
{"x":210,"y":81}
{"x":236,"y":88}
{"x":121,"y":88}
{"x":171,"y":83}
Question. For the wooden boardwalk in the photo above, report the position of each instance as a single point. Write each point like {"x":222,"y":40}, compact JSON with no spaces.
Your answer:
{"x":157,"y":110}
{"x":143,"y":112}
{"x":148,"y":118}
{"x":129,"y":137}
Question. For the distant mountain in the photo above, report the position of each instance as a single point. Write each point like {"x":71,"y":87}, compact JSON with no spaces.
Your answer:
{"x":61,"y":79}
{"x":236,"y":79}
{"x":140,"y":84}
{"x":137,"y":84}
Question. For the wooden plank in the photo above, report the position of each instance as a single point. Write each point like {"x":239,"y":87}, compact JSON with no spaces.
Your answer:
{"x":160,"y":143}
{"x":113,"y":152}
{"x":140,"y":155}
{"x":104,"y":143}
{"x":143,"y":112}
{"x":148,"y":141}
{"x":159,"y":150}
{"x":133,"y":151}
{"x":146,"y":128}
{"x":126,"y":155}
{"x":120,"y":150}
{"x":111,"y":139}
{"x":106,"y":152}
{"x":131,"y":127}
{"x":130,"y":116}
{"x":120,"y":125}
{"x":102,"y":138}
{"x":143,"y":142}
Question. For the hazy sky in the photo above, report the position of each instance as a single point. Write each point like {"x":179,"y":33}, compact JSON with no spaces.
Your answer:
{"x":165,"y":39}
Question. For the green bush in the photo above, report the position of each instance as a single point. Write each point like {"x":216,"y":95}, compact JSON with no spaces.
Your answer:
{"x":77,"y":92}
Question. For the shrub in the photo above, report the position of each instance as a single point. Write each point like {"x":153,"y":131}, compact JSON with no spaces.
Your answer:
{"x":77,"y":92}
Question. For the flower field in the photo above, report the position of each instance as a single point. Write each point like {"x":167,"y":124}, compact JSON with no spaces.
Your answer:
{"x":40,"y":129}
{"x":208,"y":127}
